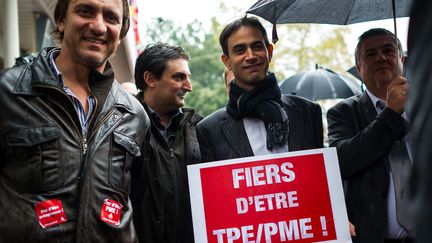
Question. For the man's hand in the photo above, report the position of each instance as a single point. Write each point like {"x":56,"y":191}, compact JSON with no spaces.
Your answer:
{"x":352,"y":229}
{"x":397,"y":94}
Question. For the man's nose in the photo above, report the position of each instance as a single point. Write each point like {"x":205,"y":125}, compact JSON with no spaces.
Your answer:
{"x":97,"y":24}
{"x":250,"y":54}
{"x":381,"y":56}
{"x":187,"y":85}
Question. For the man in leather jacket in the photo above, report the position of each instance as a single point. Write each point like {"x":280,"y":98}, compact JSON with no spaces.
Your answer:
{"x":69,"y":134}
{"x":160,"y":196}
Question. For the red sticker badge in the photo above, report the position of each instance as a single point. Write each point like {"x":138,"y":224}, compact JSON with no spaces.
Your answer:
{"x":111,"y":212}
{"x":50,"y":213}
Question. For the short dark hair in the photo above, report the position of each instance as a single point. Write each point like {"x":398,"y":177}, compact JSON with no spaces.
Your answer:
{"x":235,"y":25}
{"x":372,"y":33}
{"x":153,"y":59}
{"x":60,"y":13}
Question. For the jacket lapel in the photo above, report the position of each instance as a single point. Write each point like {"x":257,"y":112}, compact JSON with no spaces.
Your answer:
{"x":236,"y":135}
{"x":295,"y":125}
{"x":370,"y":113}
{"x":368,"y":108}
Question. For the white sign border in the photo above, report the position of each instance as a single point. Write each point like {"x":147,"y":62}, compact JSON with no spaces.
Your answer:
{"x":333,"y":179}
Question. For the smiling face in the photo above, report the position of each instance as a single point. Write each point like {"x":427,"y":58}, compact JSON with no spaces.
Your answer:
{"x":168,"y":93}
{"x":248,"y":56}
{"x":379,"y":63}
{"x":91,"y":31}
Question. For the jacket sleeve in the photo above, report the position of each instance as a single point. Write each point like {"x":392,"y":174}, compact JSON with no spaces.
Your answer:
{"x":206,"y":150}
{"x":359,"y":147}
{"x":318,"y":126}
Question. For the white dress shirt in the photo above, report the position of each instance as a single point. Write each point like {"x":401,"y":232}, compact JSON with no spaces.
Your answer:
{"x":394,"y":231}
{"x":257,"y":135}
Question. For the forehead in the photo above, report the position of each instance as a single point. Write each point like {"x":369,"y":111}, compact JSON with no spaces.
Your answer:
{"x":245,"y":35}
{"x":112,"y":5}
{"x":377,"y":42}
{"x":178,"y":65}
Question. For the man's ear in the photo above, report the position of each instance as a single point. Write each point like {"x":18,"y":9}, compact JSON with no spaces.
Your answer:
{"x":226,"y":61}
{"x":270,"y":51}
{"x":149,"y":79}
{"x":61,"y":25}
{"x":358,"y":67}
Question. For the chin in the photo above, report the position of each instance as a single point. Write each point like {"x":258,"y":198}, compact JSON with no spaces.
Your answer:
{"x":95,"y":62}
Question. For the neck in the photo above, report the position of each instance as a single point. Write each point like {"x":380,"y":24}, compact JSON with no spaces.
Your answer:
{"x":163,"y":113}
{"x":75,"y":77}
{"x":245,"y":87}
{"x":72,"y":72}
{"x":380,"y":94}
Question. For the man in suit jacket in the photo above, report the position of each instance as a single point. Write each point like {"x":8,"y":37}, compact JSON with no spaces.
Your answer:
{"x":364,"y":129}
{"x":257,"y":119}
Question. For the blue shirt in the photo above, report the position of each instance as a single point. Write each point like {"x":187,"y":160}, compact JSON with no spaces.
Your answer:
{"x":83,"y":117}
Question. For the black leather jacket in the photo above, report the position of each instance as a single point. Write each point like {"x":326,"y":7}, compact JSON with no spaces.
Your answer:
{"x":43,"y":157}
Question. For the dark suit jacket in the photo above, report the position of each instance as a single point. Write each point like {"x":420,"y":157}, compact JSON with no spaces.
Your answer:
{"x":419,"y":106}
{"x":222,"y":137}
{"x":363,"y":140}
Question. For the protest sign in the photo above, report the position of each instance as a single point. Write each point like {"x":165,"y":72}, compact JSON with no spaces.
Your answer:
{"x":287,"y":197}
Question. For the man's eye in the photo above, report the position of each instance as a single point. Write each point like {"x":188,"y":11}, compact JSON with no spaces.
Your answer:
{"x":389,"y":50}
{"x":258,"y":47}
{"x":83,"y":12}
{"x":112,"y":19}
{"x":369,"y":54}
{"x":179,"y":77}
{"x":239,"y":50}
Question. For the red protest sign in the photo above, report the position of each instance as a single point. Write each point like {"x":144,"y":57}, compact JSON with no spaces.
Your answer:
{"x":274,"y":198}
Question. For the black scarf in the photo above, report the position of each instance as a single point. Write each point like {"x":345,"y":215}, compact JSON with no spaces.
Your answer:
{"x":262,"y":102}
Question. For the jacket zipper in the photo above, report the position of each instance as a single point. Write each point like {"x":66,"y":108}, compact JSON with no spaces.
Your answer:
{"x":67,"y":113}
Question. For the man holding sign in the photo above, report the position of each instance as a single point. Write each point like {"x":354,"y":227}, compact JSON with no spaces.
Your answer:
{"x":257,"y":119}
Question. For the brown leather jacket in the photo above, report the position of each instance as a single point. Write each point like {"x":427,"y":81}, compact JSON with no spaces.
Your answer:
{"x":44,"y":159}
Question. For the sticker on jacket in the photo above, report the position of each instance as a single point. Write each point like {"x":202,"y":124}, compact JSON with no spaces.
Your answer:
{"x":111,"y":212}
{"x":50,"y":213}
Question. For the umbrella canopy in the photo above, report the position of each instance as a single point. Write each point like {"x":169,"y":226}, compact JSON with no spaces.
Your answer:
{"x":320,"y":84}
{"x":340,"y":12}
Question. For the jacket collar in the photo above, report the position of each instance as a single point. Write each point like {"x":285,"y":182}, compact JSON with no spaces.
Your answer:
{"x":234,"y":131}
{"x":368,"y":107}
{"x":295,"y":124}
{"x":39,"y":74}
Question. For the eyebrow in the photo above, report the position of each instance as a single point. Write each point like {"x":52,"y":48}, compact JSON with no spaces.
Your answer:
{"x":93,"y":8}
{"x":379,"y":47}
{"x":183,"y":74}
{"x":251,"y":44}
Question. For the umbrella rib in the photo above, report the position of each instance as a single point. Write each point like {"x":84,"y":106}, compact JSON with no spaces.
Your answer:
{"x":350,"y":10}
{"x":330,"y":84}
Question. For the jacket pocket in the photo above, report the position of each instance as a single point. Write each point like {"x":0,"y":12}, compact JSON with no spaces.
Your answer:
{"x":124,"y":150}
{"x":33,"y":159}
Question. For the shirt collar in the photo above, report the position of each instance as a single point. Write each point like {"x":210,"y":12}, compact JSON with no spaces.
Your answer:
{"x":52,"y":55}
{"x":374,"y":100}
{"x":174,"y":117}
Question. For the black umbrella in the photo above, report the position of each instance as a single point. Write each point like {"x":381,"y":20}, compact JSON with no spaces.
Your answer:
{"x":340,"y":12}
{"x":320,"y":84}
{"x":353,"y":71}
